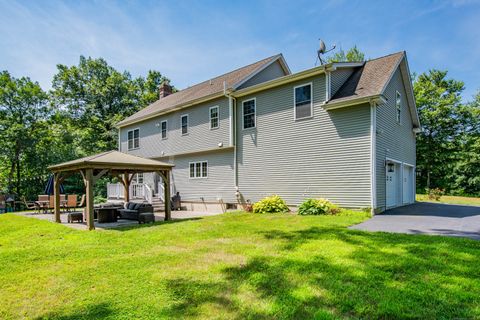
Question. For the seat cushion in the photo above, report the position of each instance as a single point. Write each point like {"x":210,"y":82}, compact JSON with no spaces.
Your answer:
{"x":131,"y":205}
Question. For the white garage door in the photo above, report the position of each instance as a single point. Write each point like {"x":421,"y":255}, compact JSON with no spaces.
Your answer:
{"x":392,"y":182}
{"x":408,"y":185}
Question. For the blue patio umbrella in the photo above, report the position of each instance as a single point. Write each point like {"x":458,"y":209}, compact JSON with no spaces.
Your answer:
{"x":49,"y":186}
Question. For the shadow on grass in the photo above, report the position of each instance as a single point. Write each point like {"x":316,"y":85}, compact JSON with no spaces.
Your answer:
{"x":149,"y":225}
{"x":96,"y":311}
{"x":372,"y":275}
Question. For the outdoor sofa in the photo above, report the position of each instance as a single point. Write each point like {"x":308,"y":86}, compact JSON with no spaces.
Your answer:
{"x":132,"y":210}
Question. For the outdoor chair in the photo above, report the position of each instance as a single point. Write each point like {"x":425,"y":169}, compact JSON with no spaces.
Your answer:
{"x":71,"y":202}
{"x":2,"y":204}
{"x":81,"y":204}
{"x":51,"y":203}
{"x":31,"y":205}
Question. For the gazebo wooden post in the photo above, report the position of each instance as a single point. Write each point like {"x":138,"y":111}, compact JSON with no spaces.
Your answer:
{"x":89,"y":183}
{"x":56,"y":195}
{"x":166,"y":186}
{"x":126,"y":186}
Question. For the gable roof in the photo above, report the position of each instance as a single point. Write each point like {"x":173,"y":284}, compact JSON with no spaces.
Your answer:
{"x":368,"y":80}
{"x":371,"y":80}
{"x":204,"y":90}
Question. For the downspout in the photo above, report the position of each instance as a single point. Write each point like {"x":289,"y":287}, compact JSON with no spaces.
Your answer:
{"x":373,"y":155}
{"x":232,"y":102}
{"x":119,"y":140}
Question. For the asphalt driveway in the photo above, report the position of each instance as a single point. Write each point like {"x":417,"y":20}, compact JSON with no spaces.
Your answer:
{"x":427,"y":218}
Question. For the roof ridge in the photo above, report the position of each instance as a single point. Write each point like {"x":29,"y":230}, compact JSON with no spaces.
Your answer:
{"x":386,"y":56}
{"x":232,"y":71}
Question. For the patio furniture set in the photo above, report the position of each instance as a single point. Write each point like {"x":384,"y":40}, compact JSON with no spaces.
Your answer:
{"x":45,"y":203}
{"x":111,"y":212}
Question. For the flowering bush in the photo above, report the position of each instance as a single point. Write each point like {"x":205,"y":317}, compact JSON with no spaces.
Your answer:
{"x":435,"y":194}
{"x":317,"y":206}
{"x":272,"y":204}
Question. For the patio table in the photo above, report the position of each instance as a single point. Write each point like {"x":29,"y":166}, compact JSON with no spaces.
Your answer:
{"x":43,"y":205}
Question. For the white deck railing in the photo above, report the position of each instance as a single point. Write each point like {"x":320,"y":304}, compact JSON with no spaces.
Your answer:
{"x":136,"y":191}
{"x":114,"y":191}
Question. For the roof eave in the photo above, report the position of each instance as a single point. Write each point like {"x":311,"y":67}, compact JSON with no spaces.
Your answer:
{"x":331,"y":105}
{"x":125,"y":123}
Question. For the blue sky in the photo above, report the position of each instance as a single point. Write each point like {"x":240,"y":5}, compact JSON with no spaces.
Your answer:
{"x":191,"y":41}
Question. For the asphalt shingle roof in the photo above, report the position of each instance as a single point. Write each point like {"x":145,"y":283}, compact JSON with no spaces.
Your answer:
{"x":198,"y":91}
{"x":369,"y":79}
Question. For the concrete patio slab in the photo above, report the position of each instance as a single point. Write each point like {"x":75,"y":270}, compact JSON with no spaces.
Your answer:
{"x":427,"y":218}
{"x":176,"y":215}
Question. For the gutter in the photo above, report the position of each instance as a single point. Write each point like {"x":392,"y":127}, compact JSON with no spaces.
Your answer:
{"x":232,"y":103}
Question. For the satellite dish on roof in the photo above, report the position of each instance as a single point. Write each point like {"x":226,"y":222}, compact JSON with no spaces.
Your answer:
{"x":322,"y":49}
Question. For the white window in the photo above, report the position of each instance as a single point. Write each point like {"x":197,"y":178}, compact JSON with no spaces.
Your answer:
{"x":398,"y":106}
{"x":164,"y":129}
{"x":184,"y":124}
{"x":138,"y":178}
{"x":133,"y":139}
{"x":214,"y":117}
{"x":199,"y":169}
{"x":249,"y":113}
{"x":303,"y":101}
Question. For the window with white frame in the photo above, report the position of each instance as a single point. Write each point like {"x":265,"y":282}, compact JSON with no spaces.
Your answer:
{"x":164,"y":129}
{"x":398,"y":106}
{"x":138,"y":178}
{"x":303,"y":101}
{"x":214,"y":117}
{"x":199,"y":169}
{"x":249,"y":113}
{"x":133,"y":139}
{"x":184,"y":124}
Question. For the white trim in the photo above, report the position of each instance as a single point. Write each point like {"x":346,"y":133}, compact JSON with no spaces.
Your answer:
{"x":195,"y":169}
{"x":120,"y":140}
{"x":230,"y":121}
{"x":328,"y":86}
{"x":210,"y":117}
{"x":393,"y":160}
{"x":255,"y":114}
{"x":379,"y":99}
{"x":133,"y":130}
{"x":188,"y":124}
{"x":398,"y":116}
{"x":373,"y":155}
{"x":166,"y":130}
{"x":295,"y":103}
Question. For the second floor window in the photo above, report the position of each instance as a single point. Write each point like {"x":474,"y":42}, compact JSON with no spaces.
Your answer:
{"x":303,"y":101}
{"x":164,"y":129}
{"x":214,"y":117}
{"x":185,"y":124}
{"x":133,"y":139}
{"x":398,"y":106}
{"x":249,"y":114}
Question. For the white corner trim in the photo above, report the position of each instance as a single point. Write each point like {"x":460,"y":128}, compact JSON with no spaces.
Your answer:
{"x":373,"y":155}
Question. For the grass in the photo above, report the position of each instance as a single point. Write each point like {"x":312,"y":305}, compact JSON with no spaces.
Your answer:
{"x":234,"y":266}
{"x":472,"y":201}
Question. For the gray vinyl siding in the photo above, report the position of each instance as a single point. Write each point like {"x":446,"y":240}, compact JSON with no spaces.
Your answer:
{"x":199,"y":138}
{"x":393,"y":140}
{"x":273,"y":71}
{"x":338,"y":78}
{"x":325,"y":156}
{"x":218,"y":185}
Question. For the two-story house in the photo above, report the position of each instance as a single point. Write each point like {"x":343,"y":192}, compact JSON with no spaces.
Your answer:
{"x":341,"y":131}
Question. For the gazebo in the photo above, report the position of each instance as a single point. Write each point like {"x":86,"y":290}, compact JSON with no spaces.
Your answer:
{"x":117,"y":164}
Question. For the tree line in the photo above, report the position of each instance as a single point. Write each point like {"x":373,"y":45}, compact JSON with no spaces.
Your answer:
{"x":74,"y":119}
{"x":77,"y":117}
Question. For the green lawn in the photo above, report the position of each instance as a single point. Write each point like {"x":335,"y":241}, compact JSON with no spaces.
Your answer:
{"x":471,"y":201}
{"x":234,"y":266}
